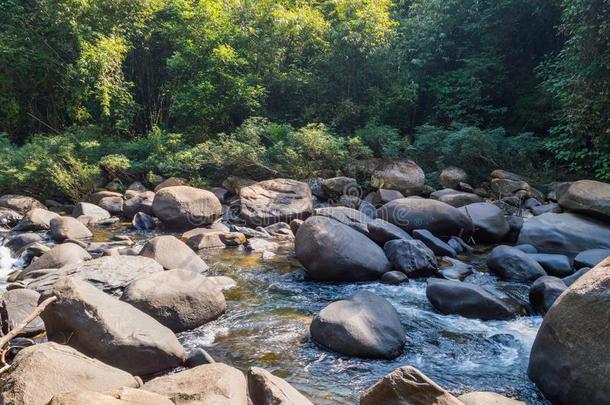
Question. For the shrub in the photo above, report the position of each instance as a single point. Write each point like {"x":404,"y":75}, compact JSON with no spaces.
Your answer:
{"x":384,"y":141}
{"x":115,"y":164}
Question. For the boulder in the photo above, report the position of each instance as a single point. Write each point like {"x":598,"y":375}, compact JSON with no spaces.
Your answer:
{"x":348,"y":216}
{"x":504,"y":174}
{"x":179,"y":299}
{"x":9,"y":217}
{"x":208,"y":384}
{"x":460,"y":199}
{"x":554,"y":265}
{"x":569,"y":358}
{"x":402,"y":175}
{"x":364,"y":325}
{"x":487,"y":398}
{"x":509,"y":263}
{"x":590,"y":257}
{"x":411,"y":257}
{"x":567,"y":234}
{"x":121,"y":396}
{"x":110,"y":330}
{"x":90,"y":210}
{"x":143,"y":222}
{"x":394,"y":278}
{"x":586,"y":196}
{"x":338,"y":186}
{"x":37,"y":219}
{"x":332,"y":251}
{"x":471,"y":301}
{"x":139,"y":202}
{"x":221,"y":193}
{"x":526,"y":248}
{"x":382,"y":231}
{"x":172,"y":253}
{"x":437,"y":246}
{"x":407,"y":386}
{"x":451,"y":177}
{"x":63,"y":228}
{"x":515,"y":223}
{"x":15,"y":307}
{"x":171,"y":182}
{"x":278,"y":200}
{"x":503,"y":187}
{"x":205,"y":240}
{"x":457,"y":270}
{"x":385,"y":195}
{"x":544,"y":208}
{"x":112,"y":204}
{"x":266,"y":389}
{"x":58,"y":256}
{"x":21,"y":240}
{"x":183,"y":207}
{"x":490,"y":225}
{"x":572,"y":279}
{"x":110,"y":274}
{"x":439,"y":218}
{"x":20,"y":203}
{"x":545,"y":291}
{"x":44,"y":370}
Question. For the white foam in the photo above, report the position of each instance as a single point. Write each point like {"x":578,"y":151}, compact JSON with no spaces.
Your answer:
{"x":7,"y":262}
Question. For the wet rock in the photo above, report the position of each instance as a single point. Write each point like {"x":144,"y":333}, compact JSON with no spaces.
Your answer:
{"x":9,"y":218}
{"x":58,"y":256}
{"x":545,"y":291}
{"x":139,"y":202}
{"x":198,"y":357}
{"x":216,"y":384}
{"x":20,"y":203}
{"x":21,"y":240}
{"x":63,"y":228}
{"x":487,"y":398}
{"x":394,"y":278}
{"x":407,"y":386}
{"x":509,"y":263}
{"x":572,"y":279}
{"x":451,"y":177}
{"x":364,"y":325}
{"x":37,"y":219}
{"x":172,"y":253}
{"x":42,"y":371}
{"x":471,"y":301}
{"x":232,"y":238}
{"x":586,"y":196}
{"x":15,"y":307}
{"x":439,"y":218}
{"x":266,"y":389}
{"x":90,"y":210}
{"x":183,"y":207}
{"x":526,"y":248}
{"x":332,"y":251}
{"x":590,"y":258}
{"x":143,"y":222}
{"x":411,"y":257}
{"x":457,"y":270}
{"x":554,"y":265}
{"x":110,"y":330}
{"x":567,"y":234}
{"x":437,"y":246}
{"x":543,"y":209}
{"x":278,"y":200}
{"x":348,"y":216}
{"x":121,"y":396}
{"x":490,"y":226}
{"x":382,"y":231}
{"x":402,"y":175}
{"x":531,"y":203}
{"x":569,"y":358}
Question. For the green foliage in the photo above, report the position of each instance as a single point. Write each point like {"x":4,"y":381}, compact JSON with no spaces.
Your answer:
{"x":74,"y":178}
{"x":114,"y":165}
{"x":384,"y":141}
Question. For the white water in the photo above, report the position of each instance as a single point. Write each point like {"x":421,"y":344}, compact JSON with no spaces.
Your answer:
{"x":7,"y":262}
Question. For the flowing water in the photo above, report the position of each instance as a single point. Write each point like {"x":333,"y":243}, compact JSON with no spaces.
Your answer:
{"x":269,"y":312}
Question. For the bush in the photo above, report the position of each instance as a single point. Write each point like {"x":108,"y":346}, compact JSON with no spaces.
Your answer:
{"x":384,"y":141}
{"x":115,"y":164}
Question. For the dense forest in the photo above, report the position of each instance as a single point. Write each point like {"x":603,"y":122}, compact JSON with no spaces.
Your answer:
{"x":135,"y":88}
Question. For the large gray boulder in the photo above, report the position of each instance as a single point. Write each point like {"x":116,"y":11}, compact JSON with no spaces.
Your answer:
{"x":355,"y":219}
{"x":277,"y":200}
{"x":567,"y":234}
{"x":58,"y":256}
{"x":471,"y":301}
{"x":553,"y":264}
{"x":63,"y":228}
{"x":590,"y":257}
{"x":364,"y":325}
{"x":407,"y":386}
{"x":460,"y":199}
{"x":93,"y":211}
{"x":20,"y":203}
{"x":401,"y":175}
{"x":172,"y":253}
{"x":178,"y":299}
{"x":487,"y":398}
{"x":382,"y":231}
{"x":490,"y":225}
{"x":37,"y":219}
{"x":121,"y":396}
{"x":139,"y":202}
{"x":545,"y":291}
{"x":183,"y":207}
{"x":208,"y":384}
{"x":569,"y":358}
{"x":439,"y":218}
{"x":110,"y":330}
{"x":42,"y":371}
{"x":15,"y":307}
{"x":452,"y":176}
{"x":411,"y":257}
{"x":509,"y":263}
{"x":586,"y":196}
{"x":332,"y":251}
{"x":266,"y":389}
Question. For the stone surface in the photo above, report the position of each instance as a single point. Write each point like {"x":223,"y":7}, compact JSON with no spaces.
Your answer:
{"x":39,"y":372}
{"x":439,"y":218}
{"x":171,"y":182}
{"x":58,"y":256}
{"x":183,"y":207}
{"x":569,"y":358}
{"x":63,"y":228}
{"x":452,"y":176}
{"x":586,"y":196}
{"x":437,"y":246}
{"x":112,"y":204}
{"x":266,"y":389}
{"x":143,"y":222}
{"x":487,"y":398}
{"x":590,"y":258}
{"x":353,"y":218}
{"x":382,"y":231}
{"x":15,"y":307}
{"x":394,"y":278}
{"x":460,"y":199}
{"x":407,"y":386}
{"x":553,"y":264}
{"x":37,"y":219}
{"x":121,"y":396}
{"x":110,"y":330}
{"x":338,"y":186}
{"x":471,"y":301}
{"x":332,"y":251}
{"x":411,"y":257}
{"x":9,"y":217}
{"x":402,"y":175}
{"x":490,"y":225}
{"x":172,"y":253}
{"x":509,"y":263}
{"x":208,"y":384}
{"x":90,"y":210}
{"x":20,"y":203}
{"x":179,"y":299}
{"x":545,"y":291}
{"x":364,"y":325}
{"x":139,"y":202}
{"x":457,"y":269}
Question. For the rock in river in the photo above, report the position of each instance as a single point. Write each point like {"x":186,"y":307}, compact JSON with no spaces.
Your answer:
{"x":63,"y":228}
{"x":183,"y":207}
{"x":545,"y":291}
{"x":58,"y":256}
{"x":172,"y":253}
{"x":490,"y":226}
{"x":364,"y":325}
{"x":110,"y":330}
{"x":509,"y":263}
{"x":332,"y":251}
{"x":266,"y":389}
{"x":586,"y":196}
{"x":411,"y":257}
